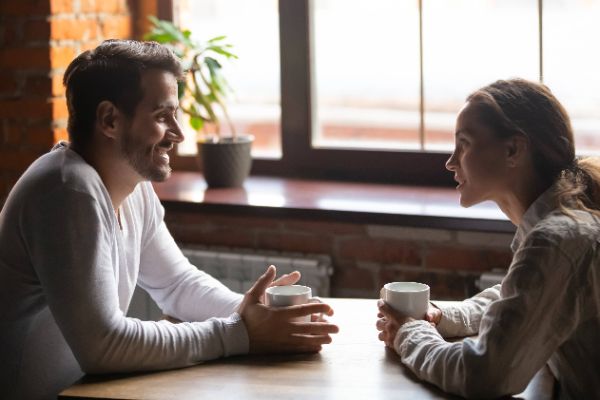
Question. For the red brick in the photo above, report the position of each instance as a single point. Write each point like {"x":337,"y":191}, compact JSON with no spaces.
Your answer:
{"x":12,"y":132}
{"x":36,"y":30}
{"x":25,"y":108}
{"x":198,"y":219}
{"x":59,"y":109}
{"x":354,"y":278}
{"x":8,"y":85}
{"x":466,"y":259}
{"x":444,"y":286}
{"x":286,"y":241}
{"x":324,"y":227}
{"x":384,"y":251}
{"x":88,"y":45}
{"x":10,"y":32}
{"x":77,"y":29}
{"x":40,"y":137}
{"x":24,"y":7}
{"x":25,"y":57}
{"x":61,"y":57}
{"x":59,"y":134}
{"x":221,"y":237}
{"x":102,"y":6}
{"x":61,"y":6}
{"x":38,"y":86}
{"x":58,"y":89}
{"x":116,"y":27}
{"x":17,"y":161}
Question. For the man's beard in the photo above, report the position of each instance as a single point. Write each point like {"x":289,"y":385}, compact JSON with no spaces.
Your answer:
{"x":141,"y":158}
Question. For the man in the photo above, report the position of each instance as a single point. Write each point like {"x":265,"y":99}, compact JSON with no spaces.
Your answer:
{"x":83,"y":226}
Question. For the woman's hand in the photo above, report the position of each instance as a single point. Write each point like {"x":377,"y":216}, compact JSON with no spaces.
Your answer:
{"x":434,"y":315}
{"x":389,"y":322}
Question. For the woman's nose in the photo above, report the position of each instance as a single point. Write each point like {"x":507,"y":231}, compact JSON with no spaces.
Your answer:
{"x":451,"y":163}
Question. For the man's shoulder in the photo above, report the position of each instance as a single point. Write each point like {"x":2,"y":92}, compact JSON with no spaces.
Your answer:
{"x":59,"y":171}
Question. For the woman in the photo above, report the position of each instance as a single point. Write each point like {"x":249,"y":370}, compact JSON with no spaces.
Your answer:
{"x":514,"y":146}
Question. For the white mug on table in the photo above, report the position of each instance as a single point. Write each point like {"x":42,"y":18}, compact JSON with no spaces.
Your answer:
{"x":285,"y":296}
{"x":409,"y":298}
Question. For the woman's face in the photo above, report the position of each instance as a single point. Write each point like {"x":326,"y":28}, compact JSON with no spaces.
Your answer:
{"x":479,"y":161}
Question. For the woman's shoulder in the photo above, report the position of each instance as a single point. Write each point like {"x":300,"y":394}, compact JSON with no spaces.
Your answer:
{"x":571,"y":232}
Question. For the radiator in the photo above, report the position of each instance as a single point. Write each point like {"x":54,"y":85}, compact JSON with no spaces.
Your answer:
{"x":491,"y":278}
{"x":238,"y":269}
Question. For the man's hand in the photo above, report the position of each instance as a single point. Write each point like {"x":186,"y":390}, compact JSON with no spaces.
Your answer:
{"x":271,"y":330}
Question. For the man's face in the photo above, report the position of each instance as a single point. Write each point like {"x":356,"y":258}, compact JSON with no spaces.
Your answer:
{"x":154,"y":128}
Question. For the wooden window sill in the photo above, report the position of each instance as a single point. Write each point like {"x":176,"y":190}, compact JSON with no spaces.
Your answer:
{"x":368,"y":203}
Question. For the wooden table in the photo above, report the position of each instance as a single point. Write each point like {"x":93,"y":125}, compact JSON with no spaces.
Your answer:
{"x":355,"y":366}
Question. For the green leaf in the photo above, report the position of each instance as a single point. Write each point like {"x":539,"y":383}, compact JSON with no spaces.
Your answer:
{"x":222,"y":51}
{"x":180,"y":89}
{"x":196,"y":123}
{"x":206,"y":87}
{"x":217,"y":39}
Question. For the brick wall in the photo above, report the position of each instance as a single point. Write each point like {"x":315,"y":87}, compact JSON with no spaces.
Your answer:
{"x":38,"y":39}
{"x":364,"y":256}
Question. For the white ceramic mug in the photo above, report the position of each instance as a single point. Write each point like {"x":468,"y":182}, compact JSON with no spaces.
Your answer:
{"x":285,"y":296}
{"x":409,"y":298}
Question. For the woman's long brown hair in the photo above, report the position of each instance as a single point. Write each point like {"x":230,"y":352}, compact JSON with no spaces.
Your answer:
{"x":521,"y":107}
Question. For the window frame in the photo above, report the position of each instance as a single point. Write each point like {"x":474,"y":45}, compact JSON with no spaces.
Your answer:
{"x":299,"y":159}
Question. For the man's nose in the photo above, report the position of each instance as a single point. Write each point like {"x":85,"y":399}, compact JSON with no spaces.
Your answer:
{"x":177,"y":132}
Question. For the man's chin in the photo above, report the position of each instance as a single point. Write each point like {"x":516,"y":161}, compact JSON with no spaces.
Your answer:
{"x":157,"y":175}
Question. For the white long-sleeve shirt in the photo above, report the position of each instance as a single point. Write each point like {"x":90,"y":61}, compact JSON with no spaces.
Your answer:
{"x":547,"y":310}
{"x":67,"y":275}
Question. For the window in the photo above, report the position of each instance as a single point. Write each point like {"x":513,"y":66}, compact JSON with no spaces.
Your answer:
{"x":369,"y":90}
{"x":253,"y":28}
{"x":572,"y":65}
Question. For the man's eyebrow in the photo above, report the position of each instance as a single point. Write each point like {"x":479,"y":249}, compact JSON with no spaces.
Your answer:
{"x":167,"y":105}
{"x":460,"y":131}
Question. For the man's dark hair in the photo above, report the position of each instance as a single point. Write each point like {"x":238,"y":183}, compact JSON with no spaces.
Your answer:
{"x":112,"y":71}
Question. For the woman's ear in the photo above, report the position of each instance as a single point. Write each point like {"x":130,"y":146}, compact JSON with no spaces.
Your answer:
{"x":517,"y":147}
{"x":107,"y":119}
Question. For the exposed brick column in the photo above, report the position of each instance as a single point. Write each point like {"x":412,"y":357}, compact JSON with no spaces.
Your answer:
{"x":38,"y":39}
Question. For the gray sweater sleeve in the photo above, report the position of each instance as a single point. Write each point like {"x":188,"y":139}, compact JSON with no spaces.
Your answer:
{"x":73,"y":254}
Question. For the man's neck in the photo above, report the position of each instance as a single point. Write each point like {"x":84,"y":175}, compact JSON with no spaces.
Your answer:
{"x":116,"y":173}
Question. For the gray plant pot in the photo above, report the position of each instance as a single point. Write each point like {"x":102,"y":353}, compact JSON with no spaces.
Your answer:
{"x":226,"y":163}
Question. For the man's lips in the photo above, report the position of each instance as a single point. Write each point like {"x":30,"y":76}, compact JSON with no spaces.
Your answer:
{"x":162,"y":149}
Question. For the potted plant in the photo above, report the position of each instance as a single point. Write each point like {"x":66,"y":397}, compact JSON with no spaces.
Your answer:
{"x":225,"y":160}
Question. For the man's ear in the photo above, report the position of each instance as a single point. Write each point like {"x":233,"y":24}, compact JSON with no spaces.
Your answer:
{"x":108,"y":119}
{"x":517,"y":147}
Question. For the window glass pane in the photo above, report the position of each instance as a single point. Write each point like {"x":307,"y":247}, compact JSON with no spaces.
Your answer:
{"x":366,"y":73}
{"x":572,"y":65}
{"x":252,"y":27}
{"x":468,"y":44}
